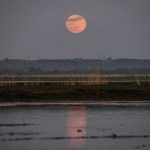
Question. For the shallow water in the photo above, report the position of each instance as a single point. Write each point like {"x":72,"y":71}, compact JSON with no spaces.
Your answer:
{"x":75,"y":127}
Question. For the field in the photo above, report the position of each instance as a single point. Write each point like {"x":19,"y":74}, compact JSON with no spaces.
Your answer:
{"x":74,"y":87}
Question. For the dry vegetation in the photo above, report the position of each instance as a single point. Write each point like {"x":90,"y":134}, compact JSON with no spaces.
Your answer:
{"x":73,"y":87}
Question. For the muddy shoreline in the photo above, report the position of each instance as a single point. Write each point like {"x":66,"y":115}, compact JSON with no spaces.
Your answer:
{"x":114,"y":92}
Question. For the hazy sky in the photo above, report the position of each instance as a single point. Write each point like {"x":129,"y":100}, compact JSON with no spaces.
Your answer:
{"x":115,"y":28}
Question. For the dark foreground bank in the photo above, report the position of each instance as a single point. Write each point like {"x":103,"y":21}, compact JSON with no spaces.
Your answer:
{"x":97,"y":92}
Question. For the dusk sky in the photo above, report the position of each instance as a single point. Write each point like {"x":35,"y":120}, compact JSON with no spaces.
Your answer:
{"x":115,"y":28}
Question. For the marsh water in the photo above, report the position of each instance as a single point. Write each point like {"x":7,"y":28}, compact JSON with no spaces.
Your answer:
{"x":75,"y":127}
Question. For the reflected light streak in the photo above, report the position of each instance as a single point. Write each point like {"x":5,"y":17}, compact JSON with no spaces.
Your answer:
{"x":76,"y":125}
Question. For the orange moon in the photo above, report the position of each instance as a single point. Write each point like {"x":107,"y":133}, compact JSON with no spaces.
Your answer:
{"x":76,"y":24}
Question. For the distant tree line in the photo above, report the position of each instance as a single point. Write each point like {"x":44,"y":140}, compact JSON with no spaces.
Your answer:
{"x":74,"y":66}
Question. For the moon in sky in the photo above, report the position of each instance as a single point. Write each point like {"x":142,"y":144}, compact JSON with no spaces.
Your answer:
{"x":76,"y":24}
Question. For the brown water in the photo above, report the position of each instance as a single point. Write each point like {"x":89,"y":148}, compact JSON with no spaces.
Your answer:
{"x":75,"y":127}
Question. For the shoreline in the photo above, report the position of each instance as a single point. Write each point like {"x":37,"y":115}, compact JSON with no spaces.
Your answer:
{"x":87,"y":103}
{"x":86,"y":93}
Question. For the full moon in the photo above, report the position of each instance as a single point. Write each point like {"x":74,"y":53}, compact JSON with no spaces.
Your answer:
{"x":76,"y":24}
